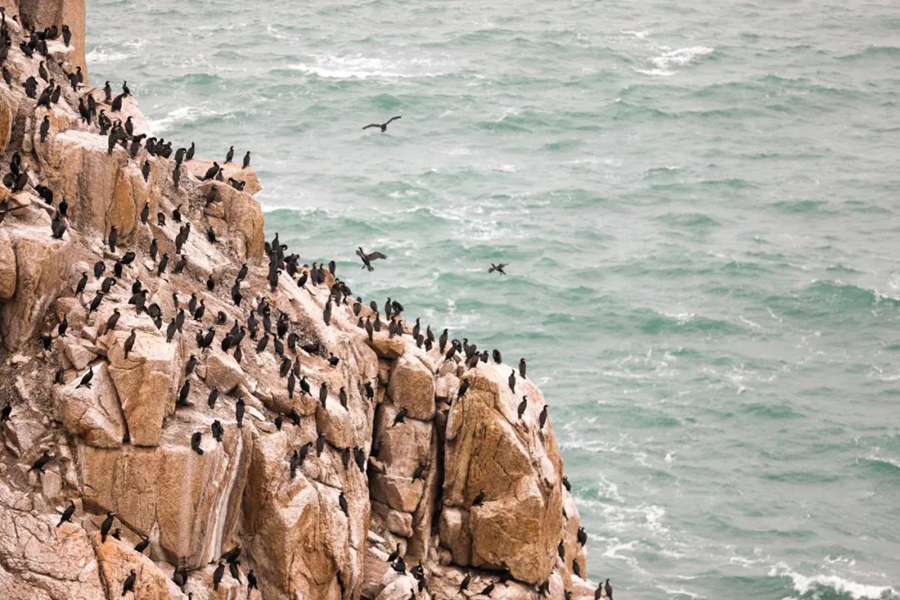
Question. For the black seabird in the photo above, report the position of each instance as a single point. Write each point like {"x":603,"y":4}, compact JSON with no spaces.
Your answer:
{"x":382,"y":126}
{"x":368,"y":258}
{"x":499,"y":268}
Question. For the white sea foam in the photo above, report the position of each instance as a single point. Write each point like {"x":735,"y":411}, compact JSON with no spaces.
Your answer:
{"x":803,"y":584}
{"x":102,"y":56}
{"x":184,"y":114}
{"x":357,"y":66}
{"x":665,"y":64}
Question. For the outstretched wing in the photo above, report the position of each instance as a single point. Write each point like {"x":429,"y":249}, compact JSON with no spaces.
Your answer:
{"x":392,"y":120}
{"x":372,"y":125}
{"x":376,"y":256}
{"x":502,"y":265}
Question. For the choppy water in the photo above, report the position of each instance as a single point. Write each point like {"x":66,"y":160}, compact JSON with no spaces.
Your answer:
{"x":699,"y":204}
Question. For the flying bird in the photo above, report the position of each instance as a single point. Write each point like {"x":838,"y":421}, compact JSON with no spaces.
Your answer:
{"x":382,"y":126}
{"x":499,"y":268}
{"x":368,"y":258}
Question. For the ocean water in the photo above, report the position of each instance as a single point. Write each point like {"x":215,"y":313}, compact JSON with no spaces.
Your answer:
{"x":698,"y":202}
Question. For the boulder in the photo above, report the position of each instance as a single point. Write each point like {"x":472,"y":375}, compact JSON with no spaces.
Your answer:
{"x":116,"y":564}
{"x":7,"y":267}
{"x":223,"y":372}
{"x":412,"y":387}
{"x":42,"y":270}
{"x":517,"y":467}
{"x":92,"y":413}
{"x":302,"y":541}
{"x":190,"y":502}
{"x":38,"y":560}
{"x":41,"y":14}
{"x":147,"y":381}
{"x":401,"y":448}
{"x":243,"y":216}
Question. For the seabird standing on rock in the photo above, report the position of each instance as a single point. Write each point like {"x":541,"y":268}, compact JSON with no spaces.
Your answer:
{"x":382,"y":126}
{"x":195,"y":442}
{"x":41,"y":462}
{"x":230,"y":155}
{"x":479,"y":499}
{"x":522,"y":368}
{"x":128,"y":586}
{"x":523,"y":405}
{"x":239,"y":412}
{"x":67,"y":514}
{"x":247,"y":159}
{"x":106,"y":525}
{"x":45,"y":128}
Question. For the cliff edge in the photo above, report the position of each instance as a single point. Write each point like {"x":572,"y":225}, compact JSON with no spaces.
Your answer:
{"x":192,"y":412}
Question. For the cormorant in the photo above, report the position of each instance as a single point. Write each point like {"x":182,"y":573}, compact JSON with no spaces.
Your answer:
{"x":106,"y":525}
{"x":86,"y":380}
{"x":368,"y":258}
{"x":479,"y":499}
{"x":382,"y":126}
{"x":142,"y":545}
{"x":522,"y":368}
{"x":542,"y":418}
{"x":239,"y":412}
{"x":522,"y":406}
{"x":67,"y":514}
{"x":195,"y":442}
{"x":45,"y":128}
{"x":128,"y":586}
{"x":247,"y":159}
{"x":213,"y":396}
{"x":229,"y":155}
{"x":41,"y":462}
{"x":217,"y":575}
{"x":401,"y":416}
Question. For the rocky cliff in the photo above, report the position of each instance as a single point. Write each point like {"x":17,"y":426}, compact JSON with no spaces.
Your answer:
{"x":234,"y":423}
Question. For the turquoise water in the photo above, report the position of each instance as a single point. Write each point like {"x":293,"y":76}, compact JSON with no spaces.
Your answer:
{"x":698,"y":202}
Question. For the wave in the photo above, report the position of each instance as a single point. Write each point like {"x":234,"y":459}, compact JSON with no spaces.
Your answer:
{"x":813,"y":585}
{"x":890,"y":51}
{"x":184,"y":114}
{"x":666,"y":62}
{"x":358,"y":66}
{"x":102,"y":56}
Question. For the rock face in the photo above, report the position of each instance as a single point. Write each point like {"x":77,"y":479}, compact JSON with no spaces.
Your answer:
{"x":212,"y":409}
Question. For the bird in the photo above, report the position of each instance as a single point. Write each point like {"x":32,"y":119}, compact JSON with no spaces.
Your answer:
{"x":86,"y":380}
{"x":479,"y":499}
{"x":129,"y":343}
{"x":342,"y":501}
{"x":106,"y":525}
{"x":464,"y":584}
{"x":382,"y":126}
{"x":609,"y":589}
{"x":45,"y":128}
{"x":247,"y":159}
{"x":251,"y":581}
{"x":522,"y":368}
{"x":239,"y":412}
{"x":196,"y":438}
{"x":368,"y":258}
{"x":498,"y":268}
{"x":4,"y":414}
{"x":67,"y":514}
{"x":512,"y":381}
{"x":230,"y":155}
{"x":217,"y":575}
{"x":128,"y":586}
{"x":142,"y":545}
{"x":488,"y":589}
{"x":542,"y":418}
{"x":41,"y":462}
{"x":522,"y":406}
{"x":401,"y":416}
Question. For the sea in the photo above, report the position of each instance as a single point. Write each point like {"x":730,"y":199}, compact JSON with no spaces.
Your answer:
{"x":699,"y":205}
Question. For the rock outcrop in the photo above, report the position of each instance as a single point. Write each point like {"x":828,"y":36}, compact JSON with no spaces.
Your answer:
{"x":235,"y":433}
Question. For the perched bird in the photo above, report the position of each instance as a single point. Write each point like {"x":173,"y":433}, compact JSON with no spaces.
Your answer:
{"x":252,"y":584}
{"x":479,"y":499}
{"x":239,"y":412}
{"x":464,"y":584}
{"x":608,"y":589}
{"x":67,"y":514}
{"x":113,"y":320}
{"x":488,"y":589}
{"x":196,"y":438}
{"x":4,"y":414}
{"x":522,"y":406}
{"x":217,"y":575}
{"x":128,"y":586}
{"x":382,"y":126}
{"x":247,"y":159}
{"x":342,"y":501}
{"x":542,"y":418}
{"x":129,"y":343}
{"x":106,"y":525}
{"x":498,"y":268}
{"x":512,"y":381}
{"x":86,"y":380}
{"x":522,"y":368}
{"x":142,"y":545}
{"x":401,"y":416}
{"x":41,"y":462}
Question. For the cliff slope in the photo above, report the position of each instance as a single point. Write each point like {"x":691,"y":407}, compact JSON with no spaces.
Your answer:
{"x":219,"y":399}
